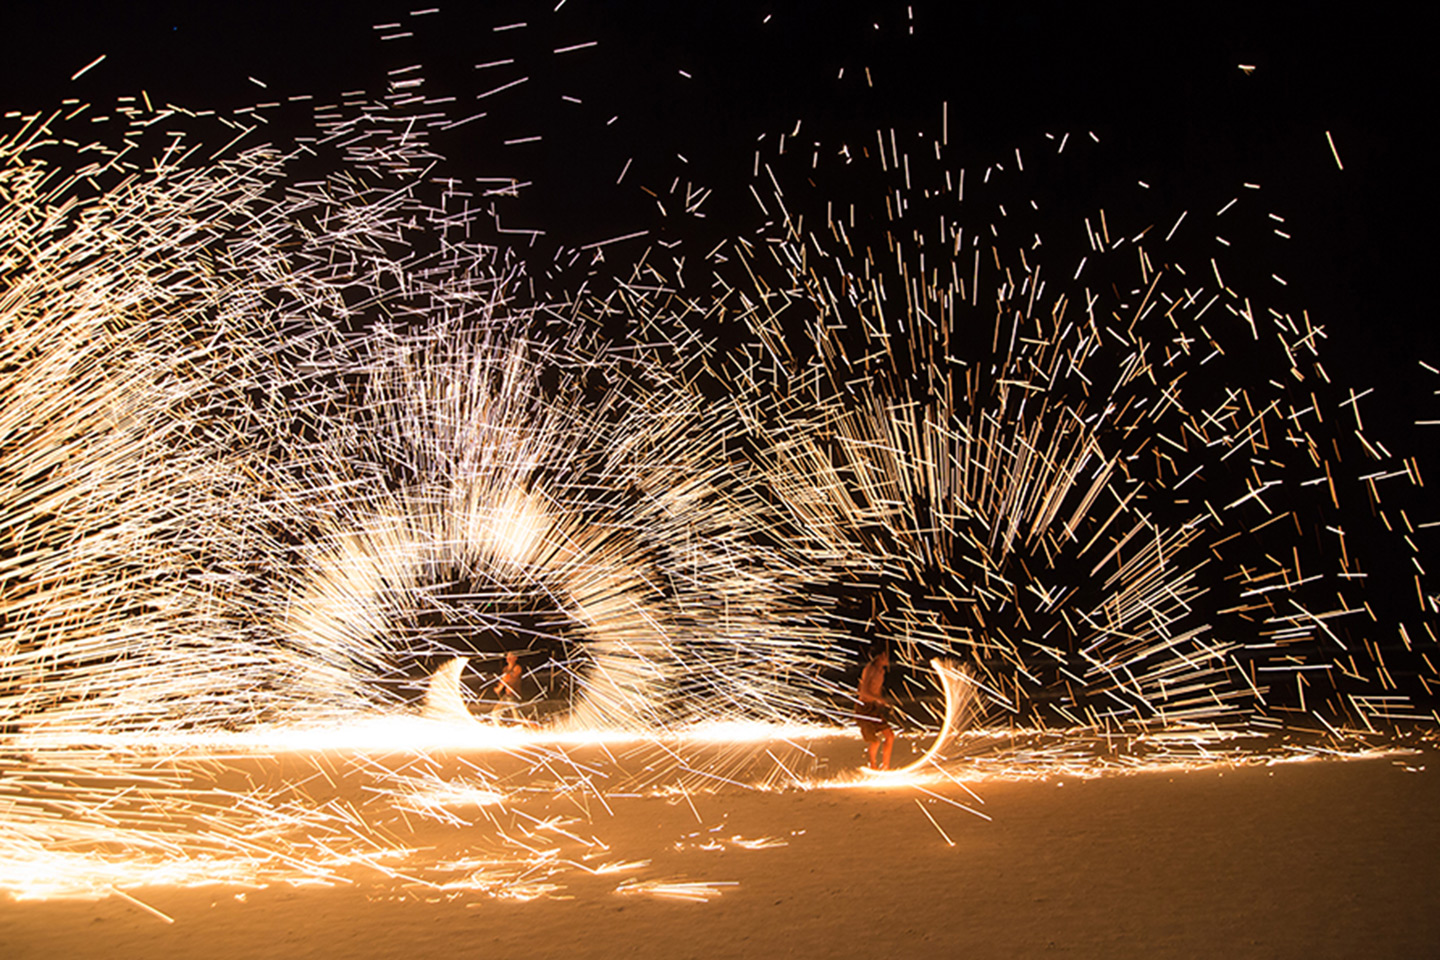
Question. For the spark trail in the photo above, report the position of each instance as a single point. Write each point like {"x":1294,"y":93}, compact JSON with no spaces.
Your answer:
{"x":1120,"y":487}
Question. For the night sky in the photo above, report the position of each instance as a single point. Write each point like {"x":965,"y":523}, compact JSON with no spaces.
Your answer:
{"x":671,"y":93}
{"x":1161,"y":89}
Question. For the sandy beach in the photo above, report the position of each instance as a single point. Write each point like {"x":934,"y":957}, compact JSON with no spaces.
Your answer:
{"x":1324,"y":858}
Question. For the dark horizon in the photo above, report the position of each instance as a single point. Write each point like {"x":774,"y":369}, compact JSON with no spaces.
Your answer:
{"x":1163,"y":91}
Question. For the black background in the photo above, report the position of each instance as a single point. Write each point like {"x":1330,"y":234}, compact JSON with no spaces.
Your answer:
{"x":1160,"y":86}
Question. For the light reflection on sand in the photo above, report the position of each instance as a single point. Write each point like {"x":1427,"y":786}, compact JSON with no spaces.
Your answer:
{"x":475,"y":810}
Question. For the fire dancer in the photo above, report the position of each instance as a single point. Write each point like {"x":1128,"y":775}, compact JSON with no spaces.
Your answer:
{"x":507,"y":691}
{"x":873,"y":713}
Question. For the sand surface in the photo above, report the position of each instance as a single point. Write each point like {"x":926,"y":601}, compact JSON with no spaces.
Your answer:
{"x":1316,"y":859}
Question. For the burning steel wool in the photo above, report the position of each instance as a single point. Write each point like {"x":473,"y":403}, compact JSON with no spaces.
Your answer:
{"x":298,"y":443}
{"x":1079,"y":483}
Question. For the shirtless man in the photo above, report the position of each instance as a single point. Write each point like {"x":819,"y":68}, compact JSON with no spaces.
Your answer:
{"x":874,"y":709}
{"x":507,"y":690}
